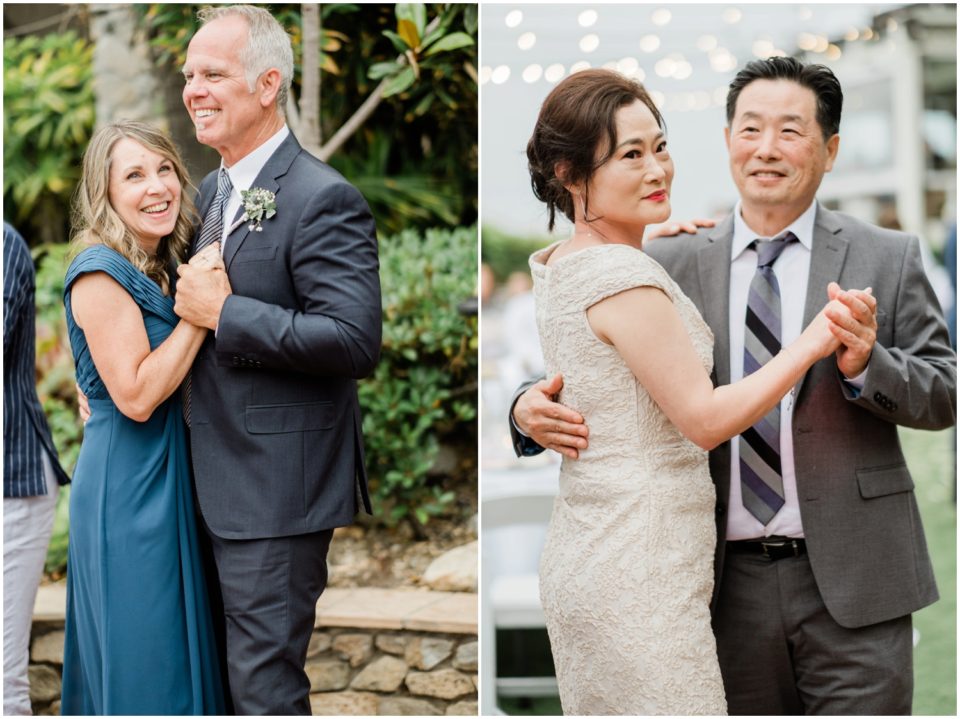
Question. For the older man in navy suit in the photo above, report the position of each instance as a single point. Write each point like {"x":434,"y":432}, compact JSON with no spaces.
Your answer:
{"x":31,"y":471}
{"x":275,"y":418}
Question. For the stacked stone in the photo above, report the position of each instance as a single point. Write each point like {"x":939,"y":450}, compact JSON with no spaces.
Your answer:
{"x":46,"y":666}
{"x":351,"y":671}
{"x":392,"y":674}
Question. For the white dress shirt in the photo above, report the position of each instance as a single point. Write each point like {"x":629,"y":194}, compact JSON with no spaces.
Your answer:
{"x":243,"y":173}
{"x":792,"y":270}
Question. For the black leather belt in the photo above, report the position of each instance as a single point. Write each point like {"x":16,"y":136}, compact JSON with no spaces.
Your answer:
{"x":772,"y":548}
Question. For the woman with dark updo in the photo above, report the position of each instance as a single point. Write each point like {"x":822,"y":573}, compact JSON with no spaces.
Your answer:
{"x":626,"y":575}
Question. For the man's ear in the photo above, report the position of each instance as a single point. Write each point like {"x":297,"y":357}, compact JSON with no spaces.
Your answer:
{"x":268,"y":85}
{"x":833,"y":146}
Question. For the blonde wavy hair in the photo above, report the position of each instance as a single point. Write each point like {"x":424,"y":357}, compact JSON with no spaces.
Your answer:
{"x":96,"y":222}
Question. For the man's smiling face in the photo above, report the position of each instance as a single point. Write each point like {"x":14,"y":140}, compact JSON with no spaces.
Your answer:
{"x":227,"y":115}
{"x":778,"y":155}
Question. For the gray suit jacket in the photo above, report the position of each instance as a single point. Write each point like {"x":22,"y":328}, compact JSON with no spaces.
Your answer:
{"x":863,"y":530}
{"x":275,"y":435}
{"x":857,"y":504}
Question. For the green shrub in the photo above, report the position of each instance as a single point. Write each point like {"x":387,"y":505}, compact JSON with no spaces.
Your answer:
{"x":424,"y":391}
{"x":48,"y":114}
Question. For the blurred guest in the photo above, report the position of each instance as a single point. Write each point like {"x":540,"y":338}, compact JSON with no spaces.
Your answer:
{"x":488,"y":283}
{"x":31,"y":471}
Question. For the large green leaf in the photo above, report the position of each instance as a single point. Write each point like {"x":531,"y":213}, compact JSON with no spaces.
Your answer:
{"x":400,"y":82}
{"x":453,"y":41}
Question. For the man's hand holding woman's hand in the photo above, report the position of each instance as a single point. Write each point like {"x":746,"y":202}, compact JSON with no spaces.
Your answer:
{"x":856,"y":328}
{"x":202,"y":288}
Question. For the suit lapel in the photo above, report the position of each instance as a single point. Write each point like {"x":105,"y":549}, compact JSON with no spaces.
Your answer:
{"x":826,"y":261}
{"x":713,"y":267}
{"x":276,"y":167}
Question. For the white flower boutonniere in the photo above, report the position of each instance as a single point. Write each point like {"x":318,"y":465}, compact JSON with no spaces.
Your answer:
{"x":258,"y":205}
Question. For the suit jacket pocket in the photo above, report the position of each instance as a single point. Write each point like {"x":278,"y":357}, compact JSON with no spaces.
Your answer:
{"x":280,"y":418}
{"x":881,"y":481}
{"x":255,"y":254}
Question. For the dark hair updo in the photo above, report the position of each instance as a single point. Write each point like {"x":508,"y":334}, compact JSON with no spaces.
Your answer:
{"x":578,"y":116}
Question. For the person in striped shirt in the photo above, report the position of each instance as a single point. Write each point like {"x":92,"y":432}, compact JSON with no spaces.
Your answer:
{"x":31,"y":471}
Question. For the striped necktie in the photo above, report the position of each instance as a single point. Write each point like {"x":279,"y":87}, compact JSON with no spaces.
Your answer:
{"x":212,"y":227}
{"x":761,"y":479}
{"x":210,"y":231}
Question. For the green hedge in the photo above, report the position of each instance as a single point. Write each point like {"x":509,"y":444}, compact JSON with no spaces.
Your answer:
{"x":506,"y":254}
{"x":424,"y":391}
{"x":423,"y":394}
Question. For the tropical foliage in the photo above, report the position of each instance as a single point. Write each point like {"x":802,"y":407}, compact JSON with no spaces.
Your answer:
{"x":48,"y":116}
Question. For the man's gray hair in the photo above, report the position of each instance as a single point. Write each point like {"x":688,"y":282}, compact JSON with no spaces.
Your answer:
{"x":268,"y":45}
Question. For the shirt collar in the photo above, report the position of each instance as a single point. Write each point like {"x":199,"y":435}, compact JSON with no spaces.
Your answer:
{"x":802,"y":227}
{"x":245,"y":171}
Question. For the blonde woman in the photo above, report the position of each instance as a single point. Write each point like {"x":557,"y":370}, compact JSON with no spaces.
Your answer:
{"x":139,"y":633}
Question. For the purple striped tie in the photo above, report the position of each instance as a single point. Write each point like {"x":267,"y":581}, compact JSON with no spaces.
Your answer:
{"x":761,"y":479}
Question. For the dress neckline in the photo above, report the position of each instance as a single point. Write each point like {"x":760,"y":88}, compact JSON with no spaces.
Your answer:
{"x":541,"y":257}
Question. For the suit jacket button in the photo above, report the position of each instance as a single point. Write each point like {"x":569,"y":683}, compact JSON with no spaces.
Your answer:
{"x":878,"y":397}
{"x":236,"y":361}
{"x":893,"y":406}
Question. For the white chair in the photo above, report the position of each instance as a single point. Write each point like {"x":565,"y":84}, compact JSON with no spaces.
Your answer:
{"x":510,"y":601}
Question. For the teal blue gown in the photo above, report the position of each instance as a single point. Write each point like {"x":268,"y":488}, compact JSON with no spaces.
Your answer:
{"x":139,"y":633}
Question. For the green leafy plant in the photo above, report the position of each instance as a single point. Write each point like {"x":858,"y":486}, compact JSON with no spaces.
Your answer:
{"x":424,"y":391}
{"x":48,"y":117}
{"x":420,"y":44}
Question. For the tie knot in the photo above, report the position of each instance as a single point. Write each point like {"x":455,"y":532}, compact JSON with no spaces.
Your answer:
{"x":769,"y":250}
{"x":224,"y":186}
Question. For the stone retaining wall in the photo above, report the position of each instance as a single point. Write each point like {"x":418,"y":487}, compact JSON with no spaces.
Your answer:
{"x":393,"y":652}
{"x":352,"y":671}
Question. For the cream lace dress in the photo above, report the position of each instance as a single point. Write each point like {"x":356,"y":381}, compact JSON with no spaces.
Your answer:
{"x":627,"y":571}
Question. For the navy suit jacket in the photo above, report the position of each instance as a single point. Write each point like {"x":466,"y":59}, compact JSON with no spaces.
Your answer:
{"x":26,"y":435}
{"x":275,"y":432}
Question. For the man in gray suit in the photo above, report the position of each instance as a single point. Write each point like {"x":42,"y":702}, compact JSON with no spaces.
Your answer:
{"x":812,"y":607}
{"x":295,"y":309}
